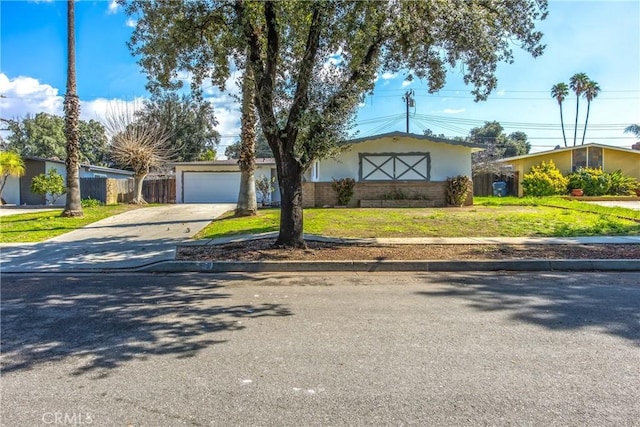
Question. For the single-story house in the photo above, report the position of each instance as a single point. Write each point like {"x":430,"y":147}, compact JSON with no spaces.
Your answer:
{"x":569,"y":159}
{"x":216,"y":181}
{"x":382,"y":165}
{"x":18,"y":190}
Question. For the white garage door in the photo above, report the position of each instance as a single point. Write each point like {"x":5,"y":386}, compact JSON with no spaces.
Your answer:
{"x":210,"y":187}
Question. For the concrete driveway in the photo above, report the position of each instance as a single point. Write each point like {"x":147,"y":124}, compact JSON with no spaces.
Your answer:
{"x":16,"y":210}
{"x":131,"y":239}
{"x":621,"y":204}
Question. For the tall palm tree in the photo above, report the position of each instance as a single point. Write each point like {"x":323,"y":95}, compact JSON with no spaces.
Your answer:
{"x":591,"y":91}
{"x":559,"y":92}
{"x":634,"y":129}
{"x":73,"y":205}
{"x":577,"y":82}
{"x":247,"y":204}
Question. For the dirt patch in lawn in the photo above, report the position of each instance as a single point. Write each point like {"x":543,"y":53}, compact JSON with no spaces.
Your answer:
{"x":262,"y":250}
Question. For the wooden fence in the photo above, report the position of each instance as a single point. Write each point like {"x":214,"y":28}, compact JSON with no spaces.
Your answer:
{"x":483,"y":184}
{"x":110,"y":190}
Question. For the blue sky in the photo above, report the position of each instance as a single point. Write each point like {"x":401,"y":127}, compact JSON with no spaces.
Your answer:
{"x":600,"y":38}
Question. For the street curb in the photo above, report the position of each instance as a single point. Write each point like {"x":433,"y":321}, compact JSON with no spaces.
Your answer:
{"x":609,"y":265}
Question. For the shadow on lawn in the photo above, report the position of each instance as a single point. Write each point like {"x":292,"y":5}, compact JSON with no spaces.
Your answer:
{"x":554,"y":301}
{"x":101,"y":322}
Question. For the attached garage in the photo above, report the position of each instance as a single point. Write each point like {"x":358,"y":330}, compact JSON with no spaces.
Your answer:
{"x":217,"y":181}
{"x":208,"y":187}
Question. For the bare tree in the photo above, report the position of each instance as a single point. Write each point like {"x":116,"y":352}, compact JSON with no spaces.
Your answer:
{"x":136,"y":143}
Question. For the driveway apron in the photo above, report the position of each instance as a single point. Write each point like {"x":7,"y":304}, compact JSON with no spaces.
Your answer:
{"x":129,"y":240}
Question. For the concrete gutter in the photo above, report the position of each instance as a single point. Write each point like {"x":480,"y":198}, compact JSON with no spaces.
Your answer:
{"x":610,"y":265}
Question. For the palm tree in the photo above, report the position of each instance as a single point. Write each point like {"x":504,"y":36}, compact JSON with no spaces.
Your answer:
{"x":634,"y":129}
{"x":577,"y":82}
{"x":11,"y":164}
{"x":73,"y":205}
{"x":591,"y":91}
{"x":559,"y":92}
{"x":247,"y":204}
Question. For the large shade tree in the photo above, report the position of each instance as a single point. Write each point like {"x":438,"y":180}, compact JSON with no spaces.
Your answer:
{"x":313,"y":61}
{"x":42,"y":135}
{"x":190,"y":122}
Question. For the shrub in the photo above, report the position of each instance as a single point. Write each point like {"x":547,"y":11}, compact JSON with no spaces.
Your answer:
{"x":395,"y":195}
{"x":457,"y":190}
{"x":621,"y":185}
{"x":594,"y":182}
{"x":91,"y":203}
{"x":51,"y":183}
{"x":344,"y":189}
{"x":544,"y":179}
{"x":265,"y":187}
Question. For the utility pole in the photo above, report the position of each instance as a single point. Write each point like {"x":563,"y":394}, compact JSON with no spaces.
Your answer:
{"x":408,"y":99}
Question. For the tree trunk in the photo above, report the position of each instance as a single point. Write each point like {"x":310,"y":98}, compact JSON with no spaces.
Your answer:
{"x":575,"y":128}
{"x":247,"y":204}
{"x":586,"y":120}
{"x":138,"y":199}
{"x":73,"y":205}
{"x":291,"y":224}
{"x":564,"y":137}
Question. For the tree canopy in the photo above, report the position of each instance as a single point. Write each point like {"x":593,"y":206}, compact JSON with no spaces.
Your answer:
{"x":43,"y":136}
{"x":189,"y":121}
{"x":263,"y":151}
{"x":313,"y":61}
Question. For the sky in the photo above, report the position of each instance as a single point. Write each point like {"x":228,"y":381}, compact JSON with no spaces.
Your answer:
{"x":599,"y":38}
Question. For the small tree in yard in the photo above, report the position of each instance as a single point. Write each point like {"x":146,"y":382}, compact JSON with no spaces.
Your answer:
{"x":11,"y":164}
{"x":138,"y":144}
{"x":344,"y":190}
{"x":51,"y":183}
{"x":265,"y":187}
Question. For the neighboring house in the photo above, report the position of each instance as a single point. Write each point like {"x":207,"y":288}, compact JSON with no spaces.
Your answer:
{"x":216,"y":181}
{"x":18,"y":190}
{"x":386,"y":164}
{"x":605,"y":157}
{"x":415,"y":165}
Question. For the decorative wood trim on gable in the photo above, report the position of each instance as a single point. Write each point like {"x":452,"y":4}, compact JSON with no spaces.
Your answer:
{"x":394,"y":167}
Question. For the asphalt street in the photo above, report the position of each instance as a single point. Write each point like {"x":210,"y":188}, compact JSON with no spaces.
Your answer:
{"x":320,"y":349}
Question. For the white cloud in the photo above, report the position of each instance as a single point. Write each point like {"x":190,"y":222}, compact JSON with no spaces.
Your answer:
{"x":452,"y":111}
{"x":113,"y":7}
{"x":501,"y":92}
{"x":389,"y":76}
{"x":407,"y":83}
{"x":131,"y":23}
{"x":26,"y":95}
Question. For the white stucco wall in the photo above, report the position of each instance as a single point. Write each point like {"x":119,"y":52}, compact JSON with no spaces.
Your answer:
{"x":446,"y":159}
{"x":11,"y":191}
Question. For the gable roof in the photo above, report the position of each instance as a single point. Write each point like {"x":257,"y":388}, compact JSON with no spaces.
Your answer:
{"x":561,"y":150}
{"x":398,"y":134}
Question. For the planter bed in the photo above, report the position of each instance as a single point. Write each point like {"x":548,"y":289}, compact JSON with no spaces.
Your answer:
{"x":406,"y":203}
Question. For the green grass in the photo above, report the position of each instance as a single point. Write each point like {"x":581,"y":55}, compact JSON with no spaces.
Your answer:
{"x":40,"y":226}
{"x":489,"y":217}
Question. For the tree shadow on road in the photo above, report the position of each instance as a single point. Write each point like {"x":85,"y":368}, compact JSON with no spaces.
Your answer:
{"x":100,"y":322}
{"x":554,"y":301}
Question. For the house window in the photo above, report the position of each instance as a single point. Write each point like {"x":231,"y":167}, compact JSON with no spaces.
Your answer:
{"x":579,"y":159}
{"x":594,"y":159}
{"x":315,"y":172}
{"x":99,"y":175}
{"x":587,"y":157}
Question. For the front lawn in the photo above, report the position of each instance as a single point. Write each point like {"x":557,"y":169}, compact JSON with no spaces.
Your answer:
{"x":489,"y":217}
{"x":40,"y":226}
